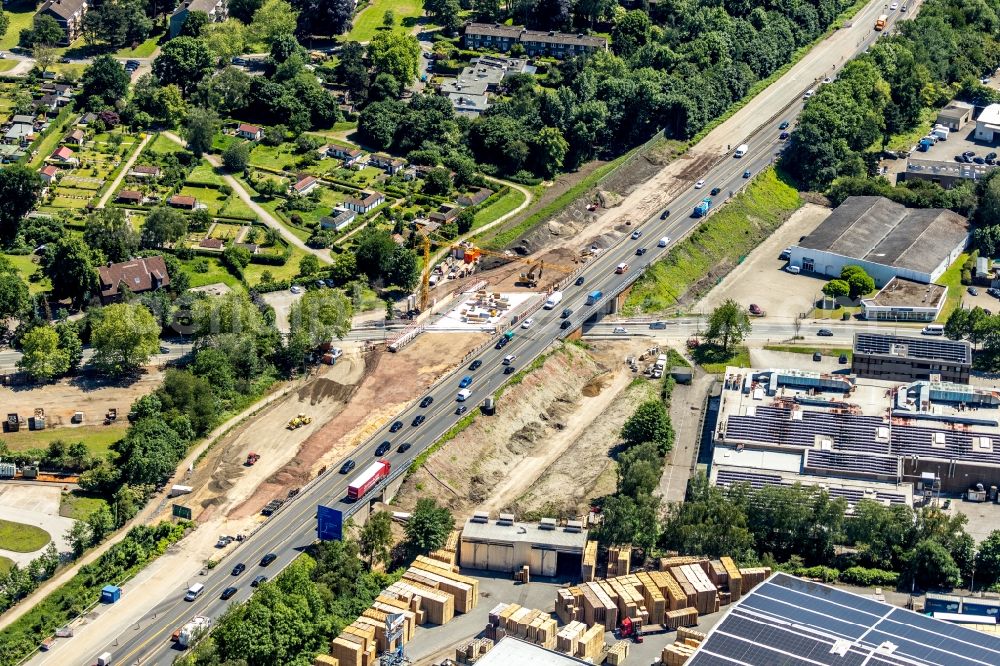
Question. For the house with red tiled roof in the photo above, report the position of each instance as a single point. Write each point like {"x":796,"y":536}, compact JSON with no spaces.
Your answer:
{"x":137,"y":275}
{"x":48,"y":174}
{"x":211,"y":244}
{"x":129,"y":197}
{"x":305,"y":185}
{"x":251,"y":132}
{"x":64,"y":155}
{"x":181,"y":201}
{"x":144,"y":172}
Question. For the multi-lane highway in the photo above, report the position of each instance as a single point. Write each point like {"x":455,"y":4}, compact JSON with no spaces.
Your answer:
{"x":294,"y":527}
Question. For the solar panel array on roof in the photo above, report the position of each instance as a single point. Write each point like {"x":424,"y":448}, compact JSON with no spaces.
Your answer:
{"x":728,"y":477}
{"x":853,"y":433}
{"x":955,"y":351}
{"x":794,"y":622}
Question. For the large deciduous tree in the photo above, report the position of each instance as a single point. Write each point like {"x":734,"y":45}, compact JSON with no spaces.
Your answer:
{"x":728,"y":325}
{"x":104,"y":82}
{"x":109,"y":232}
{"x":124,"y":336}
{"x":428,"y":526}
{"x":69,"y":266}
{"x":395,"y":53}
{"x":184,"y":62}
{"x":19,"y":190}
{"x":164,"y":225}
{"x":649,"y":423}
{"x":42,"y":358}
{"x":200,"y":128}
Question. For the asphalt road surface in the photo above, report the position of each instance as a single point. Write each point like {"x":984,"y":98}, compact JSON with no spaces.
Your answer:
{"x":293,"y":528}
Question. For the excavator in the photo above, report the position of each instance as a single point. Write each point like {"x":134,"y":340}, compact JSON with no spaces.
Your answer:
{"x":533,"y":276}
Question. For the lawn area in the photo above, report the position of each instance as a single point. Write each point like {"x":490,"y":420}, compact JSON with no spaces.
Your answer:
{"x":806,"y":349}
{"x":209,"y":196}
{"x":280,"y":158}
{"x":498,"y":208}
{"x":327,"y":200}
{"x":714,"y":360}
{"x":25,"y":265}
{"x":143,"y":50}
{"x":5,"y":564}
{"x":98,"y":438}
{"x":163,"y":146}
{"x":716,"y":245}
{"x":253,"y":272}
{"x":272,"y":207}
{"x":369,"y":21}
{"x":7,"y":65}
{"x":78,"y":504}
{"x":225,"y":231}
{"x":20,"y":13}
{"x":952,"y":278}
{"x":204,"y":174}
{"x":22,"y":538}
{"x":214,"y":272}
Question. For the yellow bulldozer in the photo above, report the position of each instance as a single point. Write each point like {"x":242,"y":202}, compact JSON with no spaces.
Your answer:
{"x":299,"y":421}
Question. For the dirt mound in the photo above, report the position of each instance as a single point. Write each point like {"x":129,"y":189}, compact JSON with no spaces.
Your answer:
{"x":596,"y":385}
{"x":325,"y":389}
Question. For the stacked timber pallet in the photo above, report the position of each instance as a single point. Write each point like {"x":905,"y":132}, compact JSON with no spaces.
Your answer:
{"x":753,"y":577}
{"x":681,"y":650}
{"x":325,"y":660}
{"x":449,"y":552}
{"x":473,"y":651}
{"x":617,"y":654}
{"x":589,"y":565}
{"x":619,"y":561}
{"x":735,"y":578}
{"x":533,"y":626}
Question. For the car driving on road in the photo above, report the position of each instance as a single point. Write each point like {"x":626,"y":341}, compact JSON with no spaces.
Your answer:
{"x":418,"y":419}
{"x":347,"y":466}
{"x":636,"y":234}
{"x":475,"y":364}
{"x":239,"y":568}
{"x":383,"y":449}
{"x":228,"y":592}
{"x":426,"y":402}
{"x":396,"y":425}
{"x":404,"y":447}
{"x":825,"y":332}
{"x":267,"y":559}
{"x":700,"y":184}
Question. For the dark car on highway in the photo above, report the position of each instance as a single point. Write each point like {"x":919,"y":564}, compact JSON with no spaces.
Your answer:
{"x":228,"y":592}
{"x":383,"y":448}
{"x":783,"y":125}
{"x":404,"y":447}
{"x":566,"y":324}
{"x":475,"y":364}
{"x":639,"y":251}
{"x":347,"y":467}
{"x":396,"y":425}
{"x":418,"y":419}
{"x":239,"y":568}
{"x":825,"y":332}
{"x":665,"y":214}
{"x":783,"y":136}
{"x":509,"y":370}
{"x":426,"y":402}
{"x":267,"y":559}
{"x":715,"y":191}
{"x":258,"y":581}
{"x":579,"y":281}
{"x":461,"y":409}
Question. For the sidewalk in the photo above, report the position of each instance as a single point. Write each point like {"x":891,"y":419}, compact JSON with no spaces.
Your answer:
{"x":124,"y":172}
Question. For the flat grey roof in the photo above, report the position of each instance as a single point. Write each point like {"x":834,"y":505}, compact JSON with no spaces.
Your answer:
{"x":557,"y":539}
{"x":884,"y":232}
{"x":510,"y":650}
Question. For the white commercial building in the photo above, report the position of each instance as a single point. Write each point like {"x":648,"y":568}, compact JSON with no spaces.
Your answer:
{"x":886,"y":239}
{"x":503,"y":545}
{"x":988,"y":124}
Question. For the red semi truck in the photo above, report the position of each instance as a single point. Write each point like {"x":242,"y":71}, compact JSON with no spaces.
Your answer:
{"x":368,"y":479}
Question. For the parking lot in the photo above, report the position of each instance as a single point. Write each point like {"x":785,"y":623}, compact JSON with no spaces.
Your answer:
{"x":940,"y":160}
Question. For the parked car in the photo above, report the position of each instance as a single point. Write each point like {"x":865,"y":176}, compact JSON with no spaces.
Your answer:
{"x":755,"y":309}
{"x":426,"y":402}
{"x":404,"y":447}
{"x":809,"y":93}
{"x":295,"y":289}
{"x":383,"y":449}
{"x":395,"y":427}
{"x":817,"y":356}
{"x":228,"y":592}
{"x":843,"y":359}
{"x":995,"y":293}
{"x":973,"y":291}
{"x":824,"y":333}
{"x":979,"y":160}
{"x":347,"y":466}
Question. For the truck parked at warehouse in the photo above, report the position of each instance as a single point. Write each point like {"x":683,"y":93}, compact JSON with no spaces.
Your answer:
{"x":368,"y":479}
{"x":554,"y":299}
{"x":701,"y":210}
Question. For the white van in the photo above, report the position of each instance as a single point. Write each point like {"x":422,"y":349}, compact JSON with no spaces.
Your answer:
{"x":509,"y":358}
{"x":463,"y":395}
{"x":741,"y":150}
{"x":194,"y":592}
{"x":933,"y":329}
{"x":794,"y":270}
{"x":663,"y":241}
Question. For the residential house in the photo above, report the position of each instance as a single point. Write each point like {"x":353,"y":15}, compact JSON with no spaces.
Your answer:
{"x":476,"y":198}
{"x":68,"y":14}
{"x":129,"y":197}
{"x":46,"y":104}
{"x":252,"y":248}
{"x":75,"y":137}
{"x":537,"y":43}
{"x":249,"y":132}
{"x":419,"y":171}
{"x":138,"y":275}
{"x":48,"y":174}
{"x":19,"y":134}
{"x":64,"y":155}
{"x":211,"y":244}
{"x":469,"y":105}
{"x":217,"y":11}
{"x":23,"y":119}
{"x":391,"y":165}
{"x":445,"y":214}
{"x":362,"y":206}
{"x":181,"y":201}
{"x":87,"y":119}
{"x":339,"y":220}
{"x":143,"y":172}
{"x":9,"y":153}
{"x":349,"y":155}
{"x":304,"y":185}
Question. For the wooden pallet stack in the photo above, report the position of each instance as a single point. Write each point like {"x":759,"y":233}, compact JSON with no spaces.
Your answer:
{"x":591,"y":643}
{"x":473,"y":651}
{"x":325,"y":660}
{"x":589,"y":565}
{"x":355,"y":646}
{"x":690,"y":594}
{"x":617,"y":654}
{"x":568,"y":605}
{"x":524,"y":575}
{"x":532,"y":625}
{"x":435,"y":606}
{"x":670,"y":589}
{"x":448,"y":553}
{"x":735,"y":578}
{"x":706,"y":594}
{"x":655,"y":603}
{"x":438,"y":575}
{"x":686,"y":633}
{"x":754,"y":576}
{"x":569,"y":637}
{"x":619,"y":561}
{"x":676,"y":654}
{"x":682,"y":617}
